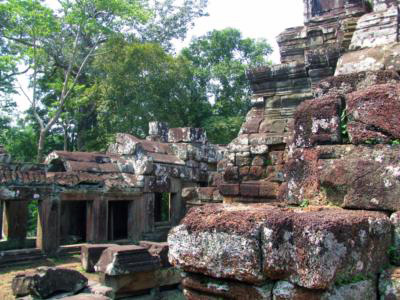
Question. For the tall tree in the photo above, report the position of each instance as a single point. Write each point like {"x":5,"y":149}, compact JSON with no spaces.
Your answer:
{"x":221,"y":58}
{"x":68,"y":38}
{"x":60,"y":45}
{"x":144,"y":83}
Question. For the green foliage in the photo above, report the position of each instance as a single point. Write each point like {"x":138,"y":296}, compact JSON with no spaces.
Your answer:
{"x":395,"y":142}
{"x":343,"y":126}
{"x":32,"y":218}
{"x":345,"y":280}
{"x":305,"y":203}
{"x":371,"y":142}
{"x":221,"y":58}
{"x":222,"y":130}
{"x":142,"y":84}
{"x":394,"y":254}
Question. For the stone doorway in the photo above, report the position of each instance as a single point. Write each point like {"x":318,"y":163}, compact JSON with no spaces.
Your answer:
{"x":118,"y":220}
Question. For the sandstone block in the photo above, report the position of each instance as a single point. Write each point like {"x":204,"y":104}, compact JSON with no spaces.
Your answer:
{"x":135,"y":283}
{"x":122,"y":260}
{"x":227,"y":289}
{"x":187,"y":135}
{"x":373,"y":114}
{"x":159,"y":250}
{"x":90,"y":255}
{"x":334,"y":244}
{"x":218,"y":242}
{"x":317,"y":121}
{"x":229,"y":189}
{"x":310,"y":248}
{"x":384,"y":57}
{"x":366,"y":289}
{"x":359,"y":177}
{"x":345,"y":84}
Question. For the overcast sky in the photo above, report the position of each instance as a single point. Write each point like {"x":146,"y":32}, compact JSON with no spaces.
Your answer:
{"x":254,"y":18}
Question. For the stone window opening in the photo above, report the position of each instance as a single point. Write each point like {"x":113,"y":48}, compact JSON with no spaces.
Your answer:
{"x":162,"y":207}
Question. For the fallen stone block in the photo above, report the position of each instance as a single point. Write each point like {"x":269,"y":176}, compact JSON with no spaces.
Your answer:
{"x":317,"y":121}
{"x":227,"y":289}
{"x":159,"y":250}
{"x":310,"y":248}
{"x":373,"y":114}
{"x":90,"y":255}
{"x":121,"y":260}
{"x":97,"y":289}
{"x":45,"y":282}
{"x":131,"y":284}
{"x":218,"y":241}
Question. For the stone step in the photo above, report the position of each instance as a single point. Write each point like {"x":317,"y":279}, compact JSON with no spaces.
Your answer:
{"x":312,"y":248}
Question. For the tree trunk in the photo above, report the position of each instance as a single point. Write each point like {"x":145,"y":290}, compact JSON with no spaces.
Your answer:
{"x":42,"y":137}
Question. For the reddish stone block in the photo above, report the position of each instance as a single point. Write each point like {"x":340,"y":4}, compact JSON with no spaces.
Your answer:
{"x":373,"y":114}
{"x":229,"y":189}
{"x":231,"y":174}
{"x":317,"y":121}
{"x":250,"y":189}
{"x":256,"y":172}
{"x":269,"y":190}
{"x":159,"y":250}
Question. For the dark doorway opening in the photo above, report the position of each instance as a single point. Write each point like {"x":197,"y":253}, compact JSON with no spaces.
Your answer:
{"x":73,"y":222}
{"x":118,"y":220}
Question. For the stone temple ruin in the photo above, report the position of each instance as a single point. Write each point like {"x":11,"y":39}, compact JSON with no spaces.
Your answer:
{"x":303,"y":204}
{"x":131,"y":192}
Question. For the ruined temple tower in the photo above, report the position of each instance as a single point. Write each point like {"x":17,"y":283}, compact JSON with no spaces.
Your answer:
{"x":311,"y":180}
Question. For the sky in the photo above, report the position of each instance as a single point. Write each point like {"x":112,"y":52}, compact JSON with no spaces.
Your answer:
{"x":254,"y":18}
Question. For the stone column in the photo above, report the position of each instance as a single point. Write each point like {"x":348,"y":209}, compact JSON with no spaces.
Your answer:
{"x":1,"y":219}
{"x":48,"y":229}
{"x":97,"y":221}
{"x":140,"y":216}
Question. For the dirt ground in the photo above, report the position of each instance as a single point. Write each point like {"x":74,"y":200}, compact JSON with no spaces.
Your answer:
{"x":8,"y":273}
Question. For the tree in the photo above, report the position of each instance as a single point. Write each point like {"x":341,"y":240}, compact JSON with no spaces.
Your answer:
{"x":144,"y":83}
{"x":221,"y":58}
{"x":68,"y":39}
